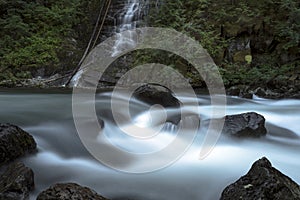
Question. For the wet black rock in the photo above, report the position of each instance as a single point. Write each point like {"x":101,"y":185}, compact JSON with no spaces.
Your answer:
{"x":272,"y":92}
{"x":14,"y":142}
{"x":247,"y":124}
{"x":153,"y":94}
{"x":156,"y":94}
{"x":233,"y":91}
{"x":16,"y":182}
{"x":262,"y":182}
{"x":278,"y":92}
{"x":267,"y":93}
{"x":240,"y":91}
{"x":69,"y":191}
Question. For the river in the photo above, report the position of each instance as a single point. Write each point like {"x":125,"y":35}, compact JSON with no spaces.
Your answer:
{"x":61,"y":156}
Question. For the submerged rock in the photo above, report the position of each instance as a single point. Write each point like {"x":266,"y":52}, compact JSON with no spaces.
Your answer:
{"x":16,"y":182}
{"x":14,"y":142}
{"x":262,"y":182}
{"x":247,"y":124}
{"x":69,"y":191}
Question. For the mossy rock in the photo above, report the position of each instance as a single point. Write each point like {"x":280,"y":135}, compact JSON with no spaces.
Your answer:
{"x":242,"y":56}
{"x":65,"y":191}
{"x":14,"y":143}
{"x":262,"y":182}
{"x":16,"y":182}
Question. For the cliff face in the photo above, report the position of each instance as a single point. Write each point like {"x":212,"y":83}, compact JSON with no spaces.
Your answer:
{"x":263,"y":34}
{"x":252,"y":42}
{"x":247,"y":27}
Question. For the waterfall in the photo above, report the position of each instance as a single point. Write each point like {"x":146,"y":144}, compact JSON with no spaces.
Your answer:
{"x":129,"y":15}
{"x":129,"y":18}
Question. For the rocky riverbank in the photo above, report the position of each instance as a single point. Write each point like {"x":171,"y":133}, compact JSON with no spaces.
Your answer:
{"x":17,"y":180}
{"x":278,"y":92}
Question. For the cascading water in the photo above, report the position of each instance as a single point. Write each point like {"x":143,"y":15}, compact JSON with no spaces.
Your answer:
{"x":129,"y":17}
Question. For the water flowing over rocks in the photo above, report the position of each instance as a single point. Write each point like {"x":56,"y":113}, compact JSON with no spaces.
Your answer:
{"x":69,"y":191}
{"x":274,"y":92}
{"x":283,"y":92}
{"x":262,"y":182}
{"x":16,"y":182}
{"x":240,"y":91}
{"x":153,"y":94}
{"x":156,"y":95}
{"x":14,"y":142}
{"x":247,"y":124}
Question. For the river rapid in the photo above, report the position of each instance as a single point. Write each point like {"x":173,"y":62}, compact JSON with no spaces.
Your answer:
{"x":62,"y":157}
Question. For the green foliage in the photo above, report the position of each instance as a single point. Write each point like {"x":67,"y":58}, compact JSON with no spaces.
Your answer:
{"x":289,"y":29}
{"x":45,"y":33}
{"x":36,"y":34}
{"x":38,"y":51}
{"x":204,"y":20}
{"x":191,"y":18}
{"x":233,"y":74}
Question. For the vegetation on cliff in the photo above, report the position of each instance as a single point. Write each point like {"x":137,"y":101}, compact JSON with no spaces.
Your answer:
{"x":42,"y":37}
{"x":252,"y":42}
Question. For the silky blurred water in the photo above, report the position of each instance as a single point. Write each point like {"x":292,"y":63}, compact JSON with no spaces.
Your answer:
{"x":62,"y":157}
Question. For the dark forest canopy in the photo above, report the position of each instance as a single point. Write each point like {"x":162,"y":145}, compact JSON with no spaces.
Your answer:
{"x":42,"y":34}
{"x":51,"y":35}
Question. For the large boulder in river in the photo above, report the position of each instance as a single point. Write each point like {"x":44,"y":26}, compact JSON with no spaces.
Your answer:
{"x":247,"y":124}
{"x":14,"y":142}
{"x":262,"y":182}
{"x":69,"y":191}
{"x":155,"y":94}
{"x":16,"y":182}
